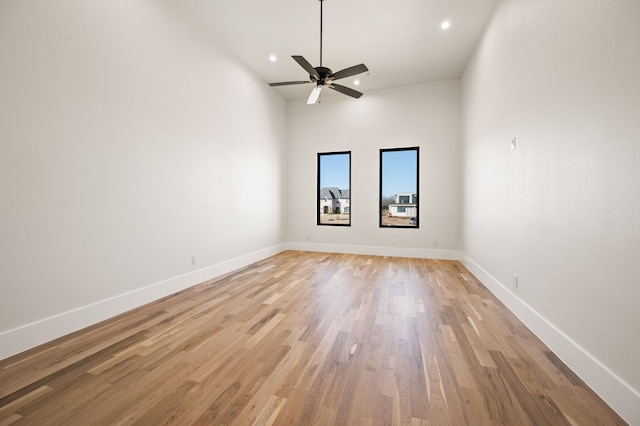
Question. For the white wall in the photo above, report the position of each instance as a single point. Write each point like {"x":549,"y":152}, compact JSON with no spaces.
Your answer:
{"x":426,"y":115}
{"x":562,"y":211}
{"x":128,"y":143}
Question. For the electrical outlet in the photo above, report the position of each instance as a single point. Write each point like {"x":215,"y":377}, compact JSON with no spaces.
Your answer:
{"x":194,"y":260}
{"x":513,"y":144}
{"x":515,"y":280}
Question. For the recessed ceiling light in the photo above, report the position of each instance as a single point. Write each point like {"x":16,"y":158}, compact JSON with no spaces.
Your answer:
{"x":273,"y":58}
{"x":356,"y":82}
{"x":445,"y":25}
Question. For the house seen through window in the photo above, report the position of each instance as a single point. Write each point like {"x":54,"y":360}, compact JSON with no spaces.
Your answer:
{"x":399,"y":187}
{"x":334,"y":189}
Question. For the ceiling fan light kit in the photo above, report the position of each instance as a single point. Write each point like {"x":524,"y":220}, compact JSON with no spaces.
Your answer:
{"x":323,"y":76}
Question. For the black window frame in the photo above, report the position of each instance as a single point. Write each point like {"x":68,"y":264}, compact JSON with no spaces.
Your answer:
{"x":417,"y":193}
{"x":319,"y":189}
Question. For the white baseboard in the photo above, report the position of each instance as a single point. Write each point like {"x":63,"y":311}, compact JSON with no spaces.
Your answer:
{"x":376,"y":251}
{"x":620,"y":396}
{"x":38,"y":332}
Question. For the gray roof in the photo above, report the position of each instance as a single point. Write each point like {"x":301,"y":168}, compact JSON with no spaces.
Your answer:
{"x":334,"y":192}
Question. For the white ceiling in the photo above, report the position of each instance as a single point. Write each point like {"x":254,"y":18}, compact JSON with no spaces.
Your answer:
{"x":400,"y":41}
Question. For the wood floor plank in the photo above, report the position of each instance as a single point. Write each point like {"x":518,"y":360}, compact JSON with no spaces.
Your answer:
{"x":302,"y":339}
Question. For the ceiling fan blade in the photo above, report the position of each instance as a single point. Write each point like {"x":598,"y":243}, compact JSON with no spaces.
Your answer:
{"x":314,"y":95}
{"x":307,"y":66}
{"x":287,"y":83}
{"x":345,"y":90}
{"x":348,"y":72}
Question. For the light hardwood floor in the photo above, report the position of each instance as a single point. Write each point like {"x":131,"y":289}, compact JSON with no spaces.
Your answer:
{"x":306,"y":338}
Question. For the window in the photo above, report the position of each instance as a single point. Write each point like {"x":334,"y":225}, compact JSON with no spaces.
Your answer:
{"x":334,"y":189}
{"x":399,"y":187}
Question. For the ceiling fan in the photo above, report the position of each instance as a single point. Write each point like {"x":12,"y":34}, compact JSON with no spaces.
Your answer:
{"x":324,"y":77}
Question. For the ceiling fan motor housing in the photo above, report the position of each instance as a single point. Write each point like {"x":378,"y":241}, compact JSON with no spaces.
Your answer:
{"x":323,"y":72}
